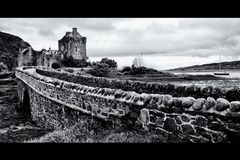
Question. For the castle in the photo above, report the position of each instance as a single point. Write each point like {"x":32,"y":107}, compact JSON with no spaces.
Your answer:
{"x":72,"y":45}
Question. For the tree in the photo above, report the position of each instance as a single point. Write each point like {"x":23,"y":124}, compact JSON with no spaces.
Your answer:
{"x":139,"y":70}
{"x":100,"y":69}
{"x":111,"y":63}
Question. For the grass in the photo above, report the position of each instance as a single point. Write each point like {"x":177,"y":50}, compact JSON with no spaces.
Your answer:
{"x":84,"y":132}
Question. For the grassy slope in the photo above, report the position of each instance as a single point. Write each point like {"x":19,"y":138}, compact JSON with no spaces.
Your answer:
{"x":210,"y":66}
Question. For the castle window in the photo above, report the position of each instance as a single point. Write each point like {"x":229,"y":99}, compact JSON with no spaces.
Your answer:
{"x":76,"y":49}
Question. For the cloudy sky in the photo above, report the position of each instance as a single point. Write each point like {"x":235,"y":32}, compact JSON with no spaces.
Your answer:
{"x":165,"y":42}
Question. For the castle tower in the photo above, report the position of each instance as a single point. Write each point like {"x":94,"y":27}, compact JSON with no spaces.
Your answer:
{"x":73,"y":44}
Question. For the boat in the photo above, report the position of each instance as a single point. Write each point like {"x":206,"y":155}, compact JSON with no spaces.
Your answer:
{"x":220,"y":73}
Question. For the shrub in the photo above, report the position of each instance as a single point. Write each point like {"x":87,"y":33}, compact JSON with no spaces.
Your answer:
{"x":100,"y":70}
{"x":139,"y":70}
{"x":80,"y":63}
{"x":111,"y":63}
{"x":126,"y":69}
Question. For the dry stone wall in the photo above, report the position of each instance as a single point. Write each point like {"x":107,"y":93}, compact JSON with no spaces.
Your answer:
{"x":231,"y":94}
{"x":57,"y":103}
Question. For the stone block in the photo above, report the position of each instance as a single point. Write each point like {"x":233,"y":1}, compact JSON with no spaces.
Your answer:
{"x":187,"y":129}
{"x":177,"y":102}
{"x":200,"y":121}
{"x":185,"y":118}
{"x":188,"y":102}
{"x":210,"y":103}
{"x":222,"y":104}
{"x":235,"y":106}
{"x":166,"y":100}
{"x":206,"y":90}
{"x":178,"y":120}
{"x":159,"y":121}
{"x":145,"y":117}
{"x":170,"y":125}
{"x":198,"y":104}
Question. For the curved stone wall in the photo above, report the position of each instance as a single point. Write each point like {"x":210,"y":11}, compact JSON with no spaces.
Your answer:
{"x":195,"y":91}
{"x":196,"y":119}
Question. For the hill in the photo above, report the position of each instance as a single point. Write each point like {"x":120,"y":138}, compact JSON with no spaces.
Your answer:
{"x":9,"y":49}
{"x":211,"y":66}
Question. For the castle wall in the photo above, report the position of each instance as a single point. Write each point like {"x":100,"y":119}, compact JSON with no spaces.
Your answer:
{"x":56,"y":103}
{"x":47,"y":60}
{"x":26,"y":57}
{"x":75,"y":48}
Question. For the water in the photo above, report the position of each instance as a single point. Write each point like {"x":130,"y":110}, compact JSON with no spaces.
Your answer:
{"x":233,"y":74}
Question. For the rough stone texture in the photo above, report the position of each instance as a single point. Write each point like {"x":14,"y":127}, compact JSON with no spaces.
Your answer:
{"x":185,"y":118}
{"x":222,"y":104}
{"x":198,"y":104}
{"x":144,"y":117}
{"x":56,"y":103}
{"x":188,"y":129}
{"x":200,"y":121}
{"x":235,"y":106}
{"x":144,"y":87}
{"x":170,"y":125}
{"x":210,"y":103}
{"x":188,"y":102}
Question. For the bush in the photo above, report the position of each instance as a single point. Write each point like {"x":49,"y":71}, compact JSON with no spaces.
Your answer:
{"x":139,"y":70}
{"x":111,"y":63}
{"x":126,"y":69}
{"x":80,"y":63}
{"x":100,"y":70}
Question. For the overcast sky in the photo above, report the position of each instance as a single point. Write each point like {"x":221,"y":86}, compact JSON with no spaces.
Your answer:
{"x":177,"y":41}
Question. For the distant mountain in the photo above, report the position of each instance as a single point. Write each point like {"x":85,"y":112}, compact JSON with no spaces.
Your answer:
{"x":211,"y":66}
{"x":9,"y":49}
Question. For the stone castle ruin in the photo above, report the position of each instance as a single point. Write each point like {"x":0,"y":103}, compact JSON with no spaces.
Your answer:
{"x":72,"y":45}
